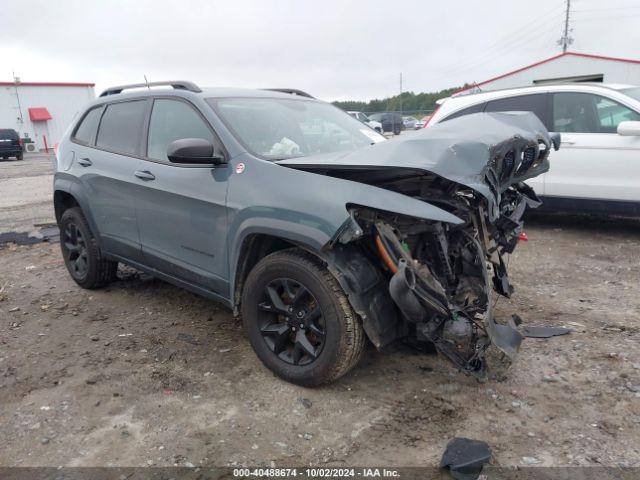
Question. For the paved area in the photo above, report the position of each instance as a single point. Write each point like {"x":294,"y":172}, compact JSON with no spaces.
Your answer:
{"x":26,"y":190}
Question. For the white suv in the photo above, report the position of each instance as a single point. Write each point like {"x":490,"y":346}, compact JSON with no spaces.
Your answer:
{"x":597,"y":168}
{"x":377,"y":126}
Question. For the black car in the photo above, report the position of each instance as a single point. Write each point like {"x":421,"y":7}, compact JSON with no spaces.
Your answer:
{"x":10,"y":144}
{"x":391,"y":122}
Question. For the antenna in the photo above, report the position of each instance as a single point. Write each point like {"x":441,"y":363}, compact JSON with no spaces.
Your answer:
{"x":147,"y":82}
{"x":566,"y":40}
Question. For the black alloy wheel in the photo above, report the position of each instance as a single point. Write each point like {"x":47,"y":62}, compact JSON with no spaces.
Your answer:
{"x":291,"y":322}
{"x":76,"y":246}
{"x":299,"y":320}
{"x":82,"y":256}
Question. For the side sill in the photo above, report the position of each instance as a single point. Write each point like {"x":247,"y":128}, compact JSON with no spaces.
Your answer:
{"x":172,"y":280}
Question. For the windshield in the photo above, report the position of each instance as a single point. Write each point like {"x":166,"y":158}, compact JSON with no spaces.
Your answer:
{"x":632,"y":92}
{"x":279,"y":128}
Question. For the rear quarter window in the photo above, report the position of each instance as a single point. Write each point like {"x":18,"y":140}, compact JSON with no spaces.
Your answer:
{"x":121,"y":127}
{"x":536,"y":103}
{"x":86,"y":131}
{"x":465,"y":111}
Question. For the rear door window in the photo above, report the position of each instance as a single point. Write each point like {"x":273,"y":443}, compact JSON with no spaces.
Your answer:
{"x":121,"y":127}
{"x":86,"y":131}
{"x":535,"y":103}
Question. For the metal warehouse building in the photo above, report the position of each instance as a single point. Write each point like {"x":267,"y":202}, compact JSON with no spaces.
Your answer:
{"x":568,"y":67}
{"x":41,"y":111}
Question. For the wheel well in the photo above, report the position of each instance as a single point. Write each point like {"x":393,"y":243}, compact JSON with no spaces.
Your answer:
{"x":63,"y":201}
{"x":254,"y":248}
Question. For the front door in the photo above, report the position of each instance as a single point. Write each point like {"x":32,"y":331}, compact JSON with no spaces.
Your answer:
{"x":181,"y":209}
{"x":593,"y":162}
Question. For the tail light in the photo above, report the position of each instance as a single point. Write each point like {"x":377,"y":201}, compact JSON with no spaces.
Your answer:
{"x":19,"y":141}
{"x":431,"y":116}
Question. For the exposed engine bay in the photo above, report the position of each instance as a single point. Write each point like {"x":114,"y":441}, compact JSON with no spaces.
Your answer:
{"x":443,"y":277}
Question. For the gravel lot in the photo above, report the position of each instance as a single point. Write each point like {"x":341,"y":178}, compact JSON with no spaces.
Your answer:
{"x":26,"y":189}
{"x":143,"y":373}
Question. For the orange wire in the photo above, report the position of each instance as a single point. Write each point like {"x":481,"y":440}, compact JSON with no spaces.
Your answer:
{"x":385,"y":255}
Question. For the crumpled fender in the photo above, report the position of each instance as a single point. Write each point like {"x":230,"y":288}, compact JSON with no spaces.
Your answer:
{"x":309,"y":209}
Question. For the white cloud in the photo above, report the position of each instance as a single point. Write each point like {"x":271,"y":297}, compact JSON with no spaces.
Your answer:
{"x":333,"y":49}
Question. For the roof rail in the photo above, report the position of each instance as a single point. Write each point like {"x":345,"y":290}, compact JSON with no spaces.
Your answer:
{"x":291,"y":91}
{"x":177,"y":84}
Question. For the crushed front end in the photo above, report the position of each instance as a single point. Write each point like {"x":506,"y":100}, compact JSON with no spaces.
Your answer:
{"x":443,"y":277}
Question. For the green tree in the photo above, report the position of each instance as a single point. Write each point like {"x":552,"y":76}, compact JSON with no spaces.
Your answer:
{"x":412,"y":103}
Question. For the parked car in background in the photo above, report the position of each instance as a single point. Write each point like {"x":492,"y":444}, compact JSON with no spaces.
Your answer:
{"x":377,"y":126}
{"x":597,"y":170}
{"x":10,"y":144}
{"x":409,"y":123}
{"x":391,"y":122}
{"x":422,"y":121}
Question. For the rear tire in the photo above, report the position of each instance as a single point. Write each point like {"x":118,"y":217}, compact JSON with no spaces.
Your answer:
{"x":278,"y":318}
{"x":81,"y":253}
{"x":20,"y":156}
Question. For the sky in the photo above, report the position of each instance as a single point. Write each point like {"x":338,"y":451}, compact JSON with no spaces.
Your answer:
{"x":335,"y":50}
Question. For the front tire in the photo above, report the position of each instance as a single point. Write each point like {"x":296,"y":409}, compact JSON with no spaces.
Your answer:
{"x":81,"y":253}
{"x":299,"y":320}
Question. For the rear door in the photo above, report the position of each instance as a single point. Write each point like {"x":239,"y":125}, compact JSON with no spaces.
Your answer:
{"x":536,"y":103}
{"x":181,"y":208}
{"x":594,"y":162}
{"x":105,"y":163}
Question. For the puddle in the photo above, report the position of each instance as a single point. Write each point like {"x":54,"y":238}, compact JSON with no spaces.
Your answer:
{"x":46,"y":232}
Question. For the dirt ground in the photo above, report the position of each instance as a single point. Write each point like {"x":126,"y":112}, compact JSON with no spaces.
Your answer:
{"x":143,"y":373}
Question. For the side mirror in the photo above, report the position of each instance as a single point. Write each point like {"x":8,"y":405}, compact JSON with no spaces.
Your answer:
{"x":629,"y":129}
{"x":193,"y":150}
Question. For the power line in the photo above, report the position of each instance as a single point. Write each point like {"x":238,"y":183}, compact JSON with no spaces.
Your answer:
{"x":489,"y":56}
{"x":531,"y":27}
{"x":605,"y":9}
{"x":620,"y":17}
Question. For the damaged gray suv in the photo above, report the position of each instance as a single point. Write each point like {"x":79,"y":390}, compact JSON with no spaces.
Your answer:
{"x":318,"y":231}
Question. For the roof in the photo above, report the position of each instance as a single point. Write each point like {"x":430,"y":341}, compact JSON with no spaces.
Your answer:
{"x":533,"y":88}
{"x":46,"y":84}
{"x":546,"y":60}
{"x":39,"y":114}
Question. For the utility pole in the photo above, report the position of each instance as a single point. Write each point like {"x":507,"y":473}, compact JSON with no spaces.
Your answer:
{"x":16,"y":82}
{"x":400,"y":93}
{"x":566,"y":40}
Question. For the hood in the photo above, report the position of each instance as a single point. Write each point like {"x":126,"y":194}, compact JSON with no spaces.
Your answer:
{"x":487,"y":152}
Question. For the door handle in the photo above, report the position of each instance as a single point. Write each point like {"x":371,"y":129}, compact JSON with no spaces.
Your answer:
{"x":145,"y":175}
{"x":85,"y":162}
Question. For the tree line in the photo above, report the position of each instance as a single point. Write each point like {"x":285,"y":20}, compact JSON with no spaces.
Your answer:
{"x":408,"y":102}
